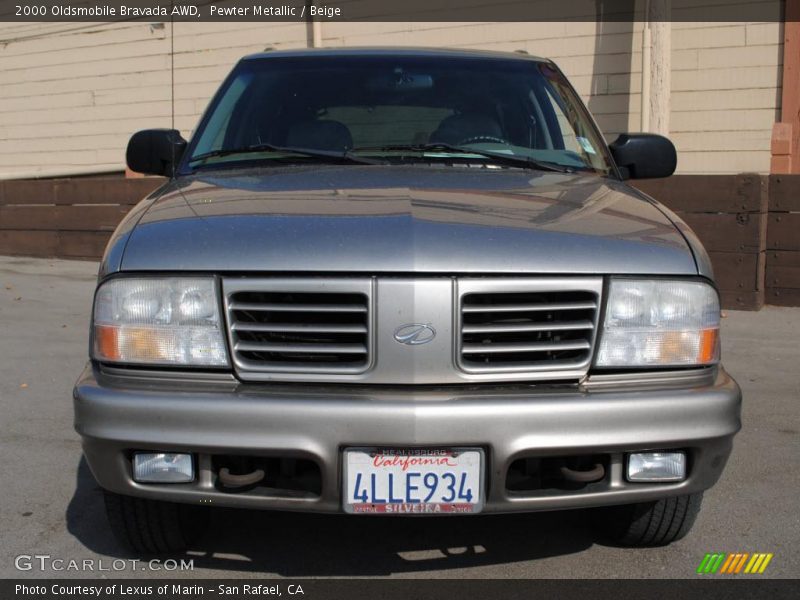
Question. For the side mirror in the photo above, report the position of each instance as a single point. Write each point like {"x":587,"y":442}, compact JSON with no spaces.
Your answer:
{"x":155,"y":151}
{"x":644,"y":155}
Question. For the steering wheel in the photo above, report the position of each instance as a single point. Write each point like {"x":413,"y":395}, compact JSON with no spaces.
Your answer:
{"x":476,"y":139}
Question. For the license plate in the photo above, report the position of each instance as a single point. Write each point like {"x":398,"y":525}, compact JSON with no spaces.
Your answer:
{"x":413,"y":481}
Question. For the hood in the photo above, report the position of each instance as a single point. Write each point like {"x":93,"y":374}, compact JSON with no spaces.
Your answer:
{"x":404,"y":219}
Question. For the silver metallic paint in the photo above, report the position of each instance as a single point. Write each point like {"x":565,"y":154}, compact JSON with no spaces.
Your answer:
{"x":404,"y":219}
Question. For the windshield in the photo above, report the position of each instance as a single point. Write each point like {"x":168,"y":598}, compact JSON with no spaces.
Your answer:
{"x":398,"y":109}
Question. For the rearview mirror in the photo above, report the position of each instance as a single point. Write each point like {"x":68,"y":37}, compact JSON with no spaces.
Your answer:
{"x":155,"y":151}
{"x":644,"y":155}
{"x":400,"y":80}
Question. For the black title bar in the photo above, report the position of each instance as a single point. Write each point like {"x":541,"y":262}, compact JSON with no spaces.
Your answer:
{"x":388,"y":10}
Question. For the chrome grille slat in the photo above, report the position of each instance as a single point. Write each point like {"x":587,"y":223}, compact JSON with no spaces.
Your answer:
{"x":530,"y":307}
{"x":298,"y":307}
{"x":507,"y":348}
{"x":511,"y":328}
{"x":300,"y":327}
{"x":302,"y":348}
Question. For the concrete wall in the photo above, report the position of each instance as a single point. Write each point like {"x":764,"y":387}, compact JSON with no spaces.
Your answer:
{"x":71,"y":94}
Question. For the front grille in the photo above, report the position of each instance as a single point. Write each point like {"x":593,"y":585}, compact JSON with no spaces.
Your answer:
{"x":527,"y":330}
{"x":342,"y":329}
{"x":275,"y":327}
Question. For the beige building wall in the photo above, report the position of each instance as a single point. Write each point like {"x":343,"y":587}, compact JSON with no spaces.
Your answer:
{"x":71,"y":95}
{"x":726,"y":95}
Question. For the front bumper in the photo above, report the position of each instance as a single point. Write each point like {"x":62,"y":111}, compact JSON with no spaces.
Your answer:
{"x":117,"y":414}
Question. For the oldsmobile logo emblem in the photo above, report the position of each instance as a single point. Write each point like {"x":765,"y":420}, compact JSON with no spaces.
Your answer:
{"x":414,"y":334}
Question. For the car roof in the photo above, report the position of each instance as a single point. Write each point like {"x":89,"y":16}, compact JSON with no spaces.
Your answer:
{"x":400,"y":51}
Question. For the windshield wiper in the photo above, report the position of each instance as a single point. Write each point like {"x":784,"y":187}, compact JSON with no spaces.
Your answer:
{"x":514,"y":160}
{"x":328,"y":155}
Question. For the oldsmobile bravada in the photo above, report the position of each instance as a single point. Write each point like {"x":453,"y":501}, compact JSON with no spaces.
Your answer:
{"x":403,"y":282}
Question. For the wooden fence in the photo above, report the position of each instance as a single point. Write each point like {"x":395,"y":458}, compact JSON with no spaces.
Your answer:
{"x":66,"y":218}
{"x":749,"y":223}
{"x":729,"y":215}
{"x":783,"y":241}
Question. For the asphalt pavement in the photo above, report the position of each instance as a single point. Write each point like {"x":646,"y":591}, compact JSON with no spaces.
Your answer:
{"x":50,"y":504}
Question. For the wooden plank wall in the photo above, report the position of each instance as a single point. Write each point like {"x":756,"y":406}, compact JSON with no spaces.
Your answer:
{"x":783,"y":241}
{"x":729,"y":215}
{"x":67,"y":218}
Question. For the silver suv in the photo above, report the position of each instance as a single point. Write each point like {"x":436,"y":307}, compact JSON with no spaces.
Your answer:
{"x":403,"y":282}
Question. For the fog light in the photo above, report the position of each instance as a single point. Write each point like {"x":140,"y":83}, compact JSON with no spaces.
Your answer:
{"x":162,"y":467}
{"x":657,"y":466}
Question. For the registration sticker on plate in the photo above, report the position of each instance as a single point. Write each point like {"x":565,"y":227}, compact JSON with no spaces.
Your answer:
{"x":413,"y":481}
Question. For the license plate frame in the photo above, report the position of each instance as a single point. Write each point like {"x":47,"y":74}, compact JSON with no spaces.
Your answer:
{"x":429,"y":508}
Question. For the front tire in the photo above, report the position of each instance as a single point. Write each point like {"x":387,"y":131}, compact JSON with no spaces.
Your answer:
{"x":651,"y":523}
{"x":154,"y":526}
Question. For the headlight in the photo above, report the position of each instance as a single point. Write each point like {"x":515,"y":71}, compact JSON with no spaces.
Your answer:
{"x":159,"y":321}
{"x":653,"y":323}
